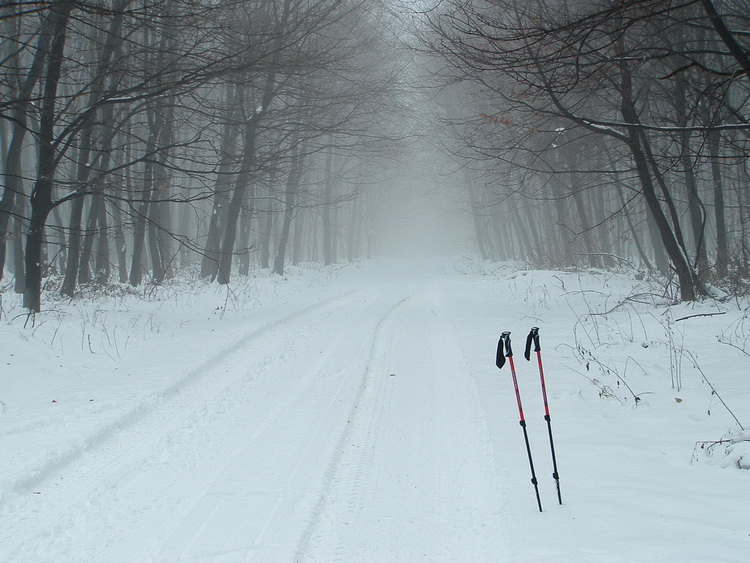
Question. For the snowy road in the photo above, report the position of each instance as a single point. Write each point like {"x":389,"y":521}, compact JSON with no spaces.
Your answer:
{"x":345,"y":431}
{"x":356,"y":415}
{"x":414,"y":471}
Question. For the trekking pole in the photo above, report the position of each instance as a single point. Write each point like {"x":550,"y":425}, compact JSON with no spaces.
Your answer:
{"x":534,"y":337}
{"x":504,"y":351}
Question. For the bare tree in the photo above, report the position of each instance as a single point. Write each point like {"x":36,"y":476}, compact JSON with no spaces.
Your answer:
{"x":599,"y":71}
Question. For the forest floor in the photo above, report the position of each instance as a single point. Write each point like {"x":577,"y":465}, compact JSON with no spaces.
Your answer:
{"x":355,"y":413}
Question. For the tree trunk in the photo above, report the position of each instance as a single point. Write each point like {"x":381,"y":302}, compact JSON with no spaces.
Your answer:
{"x":17,"y":249}
{"x":266,"y":224}
{"x":631,"y":227}
{"x":12,"y":159}
{"x":355,"y":230}
{"x":246,"y":216}
{"x":139,"y":241}
{"x":222,"y":187}
{"x":102,"y":267}
{"x":722,"y":247}
{"x":119,"y":234}
{"x":161,"y":226}
{"x":238,"y":198}
{"x":290,"y":205}
{"x":158,"y":266}
{"x":87,"y":248}
{"x":41,"y":194}
{"x":689,"y":283}
{"x":735,"y":48}
{"x":479,"y":217}
{"x":696,"y":209}
{"x":299,"y":229}
{"x":328,"y":182}
{"x":522,"y":234}
{"x":143,"y":208}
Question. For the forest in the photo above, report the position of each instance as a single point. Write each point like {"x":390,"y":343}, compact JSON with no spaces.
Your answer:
{"x":142,"y":139}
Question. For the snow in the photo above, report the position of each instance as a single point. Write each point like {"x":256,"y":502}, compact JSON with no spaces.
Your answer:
{"x":355,"y":413}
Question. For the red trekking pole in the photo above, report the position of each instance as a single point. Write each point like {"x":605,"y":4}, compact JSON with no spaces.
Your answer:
{"x":504,"y":351}
{"x":534,"y":337}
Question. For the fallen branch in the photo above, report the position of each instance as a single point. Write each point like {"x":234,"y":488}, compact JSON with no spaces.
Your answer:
{"x":701,"y":315}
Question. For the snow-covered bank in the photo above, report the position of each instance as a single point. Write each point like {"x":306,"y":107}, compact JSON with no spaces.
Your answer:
{"x":356,"y":414}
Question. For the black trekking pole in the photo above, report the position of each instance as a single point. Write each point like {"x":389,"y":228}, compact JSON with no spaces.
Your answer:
{"x":534,"y":337}
{"x":504,"y":351}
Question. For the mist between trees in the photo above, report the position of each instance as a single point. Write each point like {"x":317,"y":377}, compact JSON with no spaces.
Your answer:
{"x":142,"y":138}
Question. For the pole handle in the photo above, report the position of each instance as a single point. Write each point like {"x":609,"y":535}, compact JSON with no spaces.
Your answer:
{"x":503,"y":349}
{"x":508,"y":350}
{"x":500,"y":355}
{"x":532,"y":337}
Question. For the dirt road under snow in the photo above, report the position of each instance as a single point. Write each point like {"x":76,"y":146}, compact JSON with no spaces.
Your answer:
{"x":348,"y":430}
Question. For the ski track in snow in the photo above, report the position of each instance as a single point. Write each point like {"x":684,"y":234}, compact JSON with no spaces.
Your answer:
{"x":296,"y":422}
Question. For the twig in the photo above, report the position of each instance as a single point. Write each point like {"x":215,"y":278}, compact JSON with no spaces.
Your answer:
{"x":603,"y":389}
{"x":701,"y":315}
{"x":713,"y":389}
{"x":733,"y":346}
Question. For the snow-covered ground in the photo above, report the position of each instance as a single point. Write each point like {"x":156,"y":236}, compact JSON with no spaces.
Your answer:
{"x":355,"y":413}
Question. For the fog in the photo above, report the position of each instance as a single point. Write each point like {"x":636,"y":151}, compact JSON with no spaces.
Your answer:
{"x":290,"y":132}
{"x":425,"y":218}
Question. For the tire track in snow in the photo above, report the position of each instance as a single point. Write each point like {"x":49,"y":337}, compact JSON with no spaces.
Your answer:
{"x":107,"y":462}
{"x":339,"y":467}
{"x":179,"y":551}
{"x":360,"y":388}
{"x":415,"y":477}
{"x":272,"y":533}
{"x":160,"y":401}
